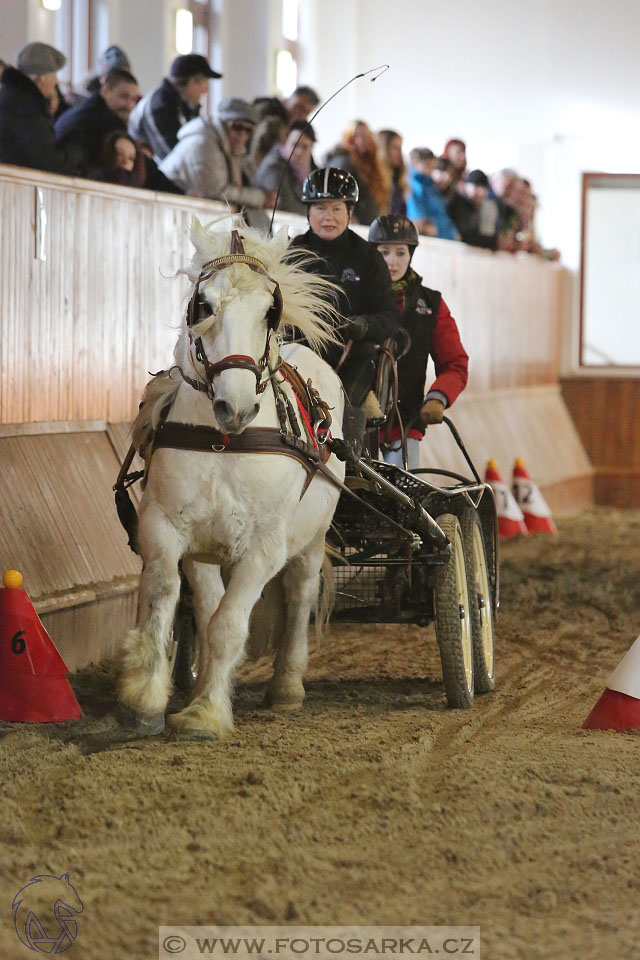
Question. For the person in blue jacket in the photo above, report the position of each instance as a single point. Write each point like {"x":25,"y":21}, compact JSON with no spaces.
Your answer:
{"x":425,"y":204}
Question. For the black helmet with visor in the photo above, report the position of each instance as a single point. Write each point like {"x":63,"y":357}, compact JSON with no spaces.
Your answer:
{"x":330,"y":183}
{"x":393,"y":229}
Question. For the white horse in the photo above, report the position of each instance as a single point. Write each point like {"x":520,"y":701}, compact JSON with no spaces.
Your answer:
{"x":235,"y":520}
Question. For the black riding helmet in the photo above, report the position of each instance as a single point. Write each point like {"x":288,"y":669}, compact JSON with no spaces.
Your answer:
{"x":394,"y":229}
{"x":330,"y":183}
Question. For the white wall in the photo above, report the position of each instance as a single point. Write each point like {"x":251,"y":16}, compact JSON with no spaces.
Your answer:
{"x":549,"y":86}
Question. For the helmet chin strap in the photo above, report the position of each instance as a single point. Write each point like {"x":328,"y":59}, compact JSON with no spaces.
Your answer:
{"x":378,"y":73}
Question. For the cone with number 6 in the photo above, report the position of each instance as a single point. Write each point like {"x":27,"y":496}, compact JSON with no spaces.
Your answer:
{"x":619,"y":706}
{"x":510,"y":518}
{"x":33,"y":675}
{"x":535,"y":508}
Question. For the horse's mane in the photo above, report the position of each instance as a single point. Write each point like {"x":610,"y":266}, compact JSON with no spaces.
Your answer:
{"x":308,"y":300}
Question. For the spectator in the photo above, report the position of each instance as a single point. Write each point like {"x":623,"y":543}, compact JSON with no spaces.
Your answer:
{"x":443,"y":175}
{"x":456,"y":151}
{"x":390,"y":148}
{"x":500,"y":185}
{"x":358,"y":153}
{"x":86,"y":125}
{"x":474,"y":214}
{"x":274,"y":118}
{"x":121,"y":161}
{"x":425,"y":204}
{"x":210,"y":159}
{"x":26,"y":125}
{"x":294,"y":157}
{"x":159,"y":116}
{"x":433,"y":332}
{"x":112,"y":57}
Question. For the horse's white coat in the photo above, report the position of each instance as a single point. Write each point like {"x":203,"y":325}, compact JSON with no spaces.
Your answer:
{"x":242,"y":511}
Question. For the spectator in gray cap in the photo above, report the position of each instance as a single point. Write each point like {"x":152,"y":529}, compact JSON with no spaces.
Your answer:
{"x":159,"y":116}
{"x":210,"y":159}
{"x":26,"y":124}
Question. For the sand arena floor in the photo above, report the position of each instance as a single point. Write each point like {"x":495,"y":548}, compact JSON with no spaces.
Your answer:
{"x":375,"y":804}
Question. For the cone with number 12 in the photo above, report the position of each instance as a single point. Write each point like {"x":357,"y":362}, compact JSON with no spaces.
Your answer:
{"x":510,"y":518}
{"x":33,"y":675}
{"x":535,"y":508}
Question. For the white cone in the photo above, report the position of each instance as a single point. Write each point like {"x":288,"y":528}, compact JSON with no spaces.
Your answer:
{"x":626,"y":676}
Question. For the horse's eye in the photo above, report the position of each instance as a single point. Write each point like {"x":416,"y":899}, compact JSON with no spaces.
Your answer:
{"x":204,"y":308}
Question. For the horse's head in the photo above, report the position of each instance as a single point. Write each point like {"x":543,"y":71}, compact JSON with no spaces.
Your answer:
{"x":245,"y":290}
{"x":234,"y":313}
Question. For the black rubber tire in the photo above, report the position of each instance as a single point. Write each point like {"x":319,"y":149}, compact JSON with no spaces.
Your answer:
{"x":481,"y":607}
{"x":452,"y":620}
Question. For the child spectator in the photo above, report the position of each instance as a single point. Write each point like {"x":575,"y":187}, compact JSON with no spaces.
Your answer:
{"x":425,"y":204}
{"x":433,"y":332}
{"x":294,"y":157}
{"x":358,"y":154}
{"x":390,"y":148}
{"x":121,"y":161}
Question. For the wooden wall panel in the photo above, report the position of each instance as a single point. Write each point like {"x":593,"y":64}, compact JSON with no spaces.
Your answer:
{"x":606,"y":411}
{"x":59,"y":523}
{"x":79,"y":332}
{"x":530,"y":422}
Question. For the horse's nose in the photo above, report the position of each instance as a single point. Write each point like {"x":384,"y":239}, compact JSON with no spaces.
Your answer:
{"x":231,"y":419}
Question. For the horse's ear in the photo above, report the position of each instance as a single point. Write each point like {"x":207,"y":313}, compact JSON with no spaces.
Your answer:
{"x":200,"y":239}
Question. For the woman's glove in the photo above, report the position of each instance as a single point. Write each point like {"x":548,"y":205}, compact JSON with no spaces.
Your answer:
{"x":355,"y":328}
{"x":432,"y":412}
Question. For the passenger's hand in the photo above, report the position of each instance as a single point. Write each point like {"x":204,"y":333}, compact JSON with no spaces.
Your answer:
{"x":355,"y":328}
{"x":432,"y":412}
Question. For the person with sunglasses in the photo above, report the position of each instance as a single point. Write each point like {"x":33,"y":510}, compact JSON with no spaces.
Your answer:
{"x":211,"y":160}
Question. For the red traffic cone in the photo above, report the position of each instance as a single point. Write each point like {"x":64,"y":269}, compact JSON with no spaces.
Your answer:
{"x":535,"y":508}
{"x":510,"y":518}
{"x":619,"y":706}
{"x":33,"y":675}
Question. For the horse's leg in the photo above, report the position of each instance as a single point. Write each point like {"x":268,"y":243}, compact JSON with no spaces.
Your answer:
{"x":207,"y":586}
{"x":301,"y":578}
{"x":144,"y":682}
{"x":210,"y":709}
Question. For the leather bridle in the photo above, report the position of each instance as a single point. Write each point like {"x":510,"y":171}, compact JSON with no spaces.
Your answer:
{"x":234,"y":361}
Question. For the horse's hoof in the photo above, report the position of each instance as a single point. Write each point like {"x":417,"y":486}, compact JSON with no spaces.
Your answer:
{"x":286,"y":707}
{"x":191,"y":733}
{"x":282,"y":704}
{"x":142,"y":724}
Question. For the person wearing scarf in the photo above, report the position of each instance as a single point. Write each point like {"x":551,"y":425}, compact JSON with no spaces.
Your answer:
{"x":432,"y":331}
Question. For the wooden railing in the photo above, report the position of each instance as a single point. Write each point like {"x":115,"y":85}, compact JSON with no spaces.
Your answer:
{"x":80,"y":330}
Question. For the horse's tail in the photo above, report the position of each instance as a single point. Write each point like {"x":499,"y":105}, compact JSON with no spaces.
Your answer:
{"x":269,"y":616}
{"x":326,"y":594}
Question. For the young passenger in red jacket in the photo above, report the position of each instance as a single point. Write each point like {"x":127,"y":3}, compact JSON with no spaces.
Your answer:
{"x":433,"y":332}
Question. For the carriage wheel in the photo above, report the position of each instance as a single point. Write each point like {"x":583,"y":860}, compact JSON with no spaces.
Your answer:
{"x":452,"y":619}
{"x":480,"y":601}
